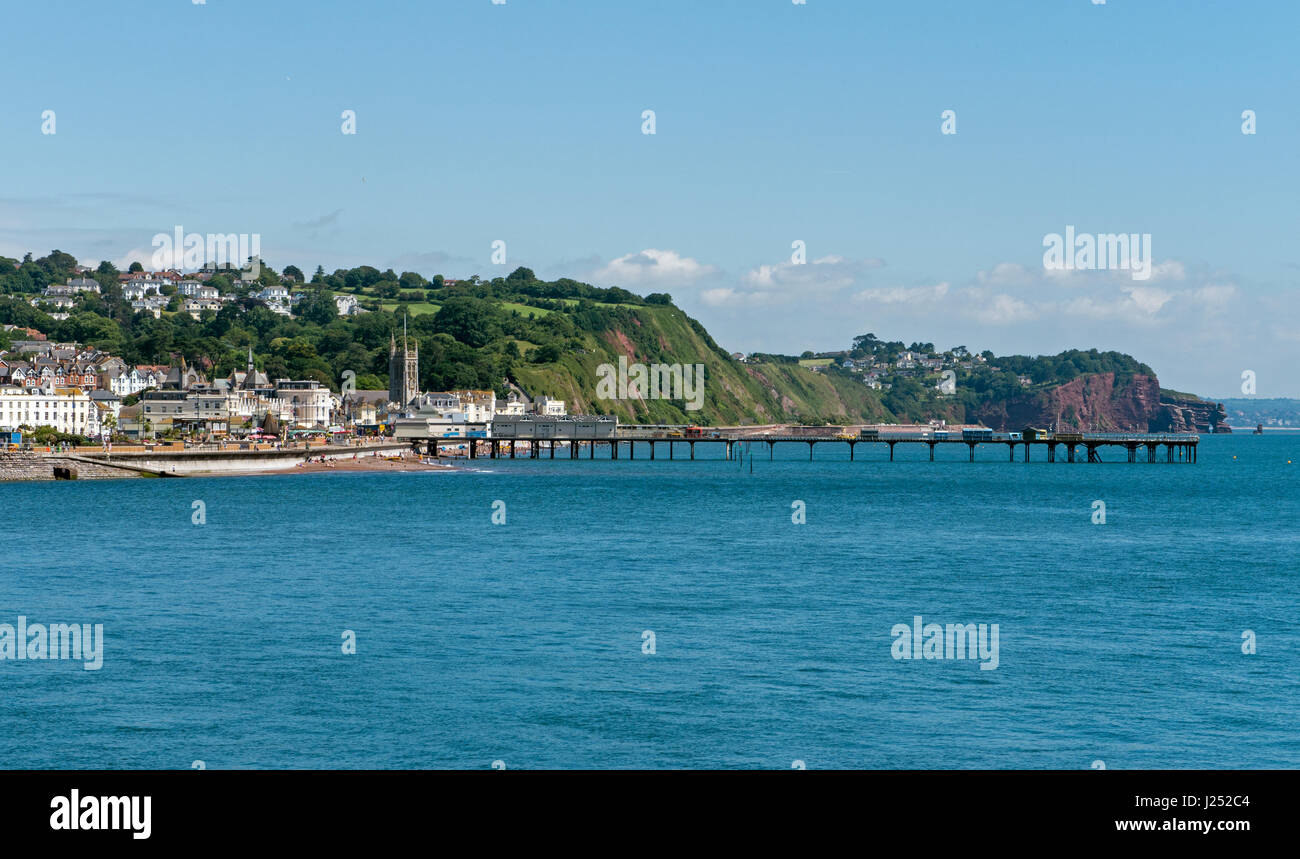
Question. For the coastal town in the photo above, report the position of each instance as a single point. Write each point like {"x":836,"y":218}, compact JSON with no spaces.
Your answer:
{"x":229,"y":359}
{"x":60,"y":392}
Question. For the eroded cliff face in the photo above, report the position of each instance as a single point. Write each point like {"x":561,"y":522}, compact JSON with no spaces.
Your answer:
{"x":1180,"y":415}
{"x":1095,"y":403}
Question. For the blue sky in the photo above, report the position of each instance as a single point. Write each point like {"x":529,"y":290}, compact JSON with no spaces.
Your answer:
{"x":775,"y":122}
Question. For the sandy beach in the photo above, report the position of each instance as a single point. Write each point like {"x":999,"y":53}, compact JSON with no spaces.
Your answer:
{"x":406,"y":462}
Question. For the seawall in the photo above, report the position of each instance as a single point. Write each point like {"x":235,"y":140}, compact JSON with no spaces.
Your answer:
{"x":98,"y":465}
{"x":26,"y":465}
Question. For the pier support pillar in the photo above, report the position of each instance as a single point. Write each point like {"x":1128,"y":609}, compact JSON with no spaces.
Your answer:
{"x":1132,"y":452}
{"x":591,"y":454}
{"x":852,"y":445}
{"x":1011,"y":452}
{"x":971,"y":445}
{"x":1169,"y":452}
{"x":551,"y":445}
{"x":670,"y":450}
{"x":692,"y":450}
{"x":891,"y":450}
{"x":1151,"y":453}
{"x":1051,"y":452}
{"x":810,"y":447}
{"x":652,"y":451}
{"x":1070,"y":452}
{"x":613,"y":450}
{"x":771,"y":446}
{"x":631,"y":450}
{"x":1026,"y":451}
{"x":930,"y":443}
{"x":1092,"y":453}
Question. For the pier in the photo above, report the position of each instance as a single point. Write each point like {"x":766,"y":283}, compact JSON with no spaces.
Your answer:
{"x":622,"y":442}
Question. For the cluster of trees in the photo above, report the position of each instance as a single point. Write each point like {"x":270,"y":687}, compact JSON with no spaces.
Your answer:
{"x":869,"y":346}
{"x":473,"y":340}
{"x":997,"y":378}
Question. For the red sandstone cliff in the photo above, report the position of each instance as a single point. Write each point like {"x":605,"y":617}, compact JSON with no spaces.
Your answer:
{"x":1096,"y":403}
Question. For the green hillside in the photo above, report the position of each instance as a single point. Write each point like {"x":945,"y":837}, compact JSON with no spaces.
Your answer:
{"x":734,"y":392}
{"x":546,"y":337}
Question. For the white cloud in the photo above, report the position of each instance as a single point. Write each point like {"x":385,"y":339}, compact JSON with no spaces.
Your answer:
{"x":787,"y":282}
{"x":720,"y":296}
{"x":903,"y":294}
{"x":1215,"y":296}
{"x":1006,"y":274}
{"x":826,"y":274}
{"x":1003,"y":310}
{"x":1168,"y":270}
{"x":1148,"y":299}
{"x":653,"y":267}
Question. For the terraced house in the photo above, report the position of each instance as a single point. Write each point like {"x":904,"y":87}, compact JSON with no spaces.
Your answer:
{"x":68,"y":410}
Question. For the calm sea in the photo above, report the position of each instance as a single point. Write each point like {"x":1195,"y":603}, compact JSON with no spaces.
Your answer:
{"x":525,"y":642}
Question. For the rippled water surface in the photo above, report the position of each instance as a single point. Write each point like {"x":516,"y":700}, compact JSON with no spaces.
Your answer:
{"x":524,"y":642}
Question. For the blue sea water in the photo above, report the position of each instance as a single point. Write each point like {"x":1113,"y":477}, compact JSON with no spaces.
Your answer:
{"x":523,"y":642}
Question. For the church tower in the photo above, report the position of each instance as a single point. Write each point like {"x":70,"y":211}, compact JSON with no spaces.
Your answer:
{"x":403,"y":369}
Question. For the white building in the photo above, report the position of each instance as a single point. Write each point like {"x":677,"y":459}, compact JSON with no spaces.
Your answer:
{"x":153,"y":304}
{"x":68,"y":410}
{"x":195,"y":306}
{"x":512,"y":405}
{"x":135,"y":380}
{"x":63,"y":302}
{"x":136,"y":290}
{"x":83,"y":284}
{"x":313,"y":403}
{"x":478,"y":406}
{"x":548,"y":406}
{"x":275,"y":293}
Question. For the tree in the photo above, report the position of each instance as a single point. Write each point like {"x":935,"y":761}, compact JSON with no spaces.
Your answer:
{"x":472,"y":321}
{"x":412,"y":280}
{"x":134,"y":267}
{"x":319,"y":307}
{"x":292,"y":271}
{"x":546,"y":354}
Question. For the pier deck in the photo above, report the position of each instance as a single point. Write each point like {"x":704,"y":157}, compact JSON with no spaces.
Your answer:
{"x":1077,"y":447}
